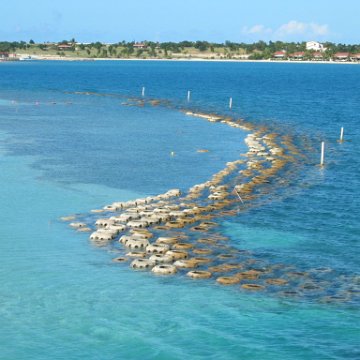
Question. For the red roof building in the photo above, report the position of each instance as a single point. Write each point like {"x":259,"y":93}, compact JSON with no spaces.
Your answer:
{"x":280,"y":54}
{"x":355,"y":57}
{"x":140,"y":46}
{"x":318,"y":55}
{"x":5,"y":56}
{"x":297,"y":55}
{"x":341,"y":56}
{"x":65,"y":47}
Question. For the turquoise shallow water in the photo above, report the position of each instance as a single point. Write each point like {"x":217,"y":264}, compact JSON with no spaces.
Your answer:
{"x":63,"y":153}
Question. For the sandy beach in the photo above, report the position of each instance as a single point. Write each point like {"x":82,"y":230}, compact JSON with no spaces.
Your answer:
{"x":69,"y":58}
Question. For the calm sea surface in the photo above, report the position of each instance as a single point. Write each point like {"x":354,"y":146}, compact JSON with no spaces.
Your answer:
{"x":64,"y":152}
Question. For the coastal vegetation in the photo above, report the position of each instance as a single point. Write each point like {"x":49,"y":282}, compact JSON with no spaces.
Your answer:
{"x":259,"y":50}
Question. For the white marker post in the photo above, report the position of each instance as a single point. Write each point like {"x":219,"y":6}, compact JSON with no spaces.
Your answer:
{"x":342,"y":134}
{"x":322,"y":154}
{"x":188,"y":95}
{"x":143,"y":91}
{"x":230,"y":103}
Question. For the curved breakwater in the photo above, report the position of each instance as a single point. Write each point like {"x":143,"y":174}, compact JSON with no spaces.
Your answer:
{"x":177,"y":232}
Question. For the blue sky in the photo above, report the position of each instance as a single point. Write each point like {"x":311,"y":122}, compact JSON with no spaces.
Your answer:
{"x":176,"y":20}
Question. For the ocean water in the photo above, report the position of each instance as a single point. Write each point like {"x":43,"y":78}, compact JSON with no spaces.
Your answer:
{"x":69,"y":143}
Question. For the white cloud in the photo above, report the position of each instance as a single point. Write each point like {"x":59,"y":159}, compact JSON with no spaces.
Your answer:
{"x":294,"y":27}
{"x":320,"y":30}
{"x":256,"y":29}
{"x":290,"y":31}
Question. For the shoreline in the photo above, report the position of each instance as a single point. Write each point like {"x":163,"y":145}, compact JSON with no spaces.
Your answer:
{"x":62,"y":58}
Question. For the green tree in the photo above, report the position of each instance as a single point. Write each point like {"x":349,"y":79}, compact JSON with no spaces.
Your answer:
{"x":202,"y":45}
{"x":260,"y":45}
{"x":256,"y":56}
{"x":186,"y":44}
{"x":5,"y":46}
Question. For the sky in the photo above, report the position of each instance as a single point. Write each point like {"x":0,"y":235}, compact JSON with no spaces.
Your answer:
{"x":176,"y":20}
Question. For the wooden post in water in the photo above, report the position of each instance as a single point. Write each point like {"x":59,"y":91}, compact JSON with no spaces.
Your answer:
{"x":143,"y":91}
{"x":188,"y":95}
{"x":230,"y":103}
{"x":322,"y":153}
{"x":341,"y":134}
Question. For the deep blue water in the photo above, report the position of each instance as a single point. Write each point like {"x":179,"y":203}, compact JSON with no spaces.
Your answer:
{"x":64,"y":153}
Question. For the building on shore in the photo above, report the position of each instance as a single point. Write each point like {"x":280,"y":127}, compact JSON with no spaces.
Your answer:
{"x":4,"y":55}
{"x":65,"y":47}
{"x":299,"y":55}
{"x":314,"y":45}
{"x":318,"y":56}
{"x":355,"y":57}
{"x":139,"y":46}
{"x":341,"y":56}
{"x":280,"y":55}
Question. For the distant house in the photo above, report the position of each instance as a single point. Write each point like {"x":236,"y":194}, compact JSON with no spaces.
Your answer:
{"x":314,"y":45}
{"x":341,"y":56}
{"x":4,"y":55}
{"x":139,"y":46}
{"x":280,"y":55}
{"x":297,"y":55}
{"x":65,"y":47}
{"x":355,"y":57}
{"x":318,"y":56}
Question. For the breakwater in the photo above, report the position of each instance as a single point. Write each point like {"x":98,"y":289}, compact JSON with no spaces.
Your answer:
{"x":177,"y":232}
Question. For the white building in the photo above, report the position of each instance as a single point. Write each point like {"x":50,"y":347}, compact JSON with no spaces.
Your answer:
{"x":314,"y":45}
